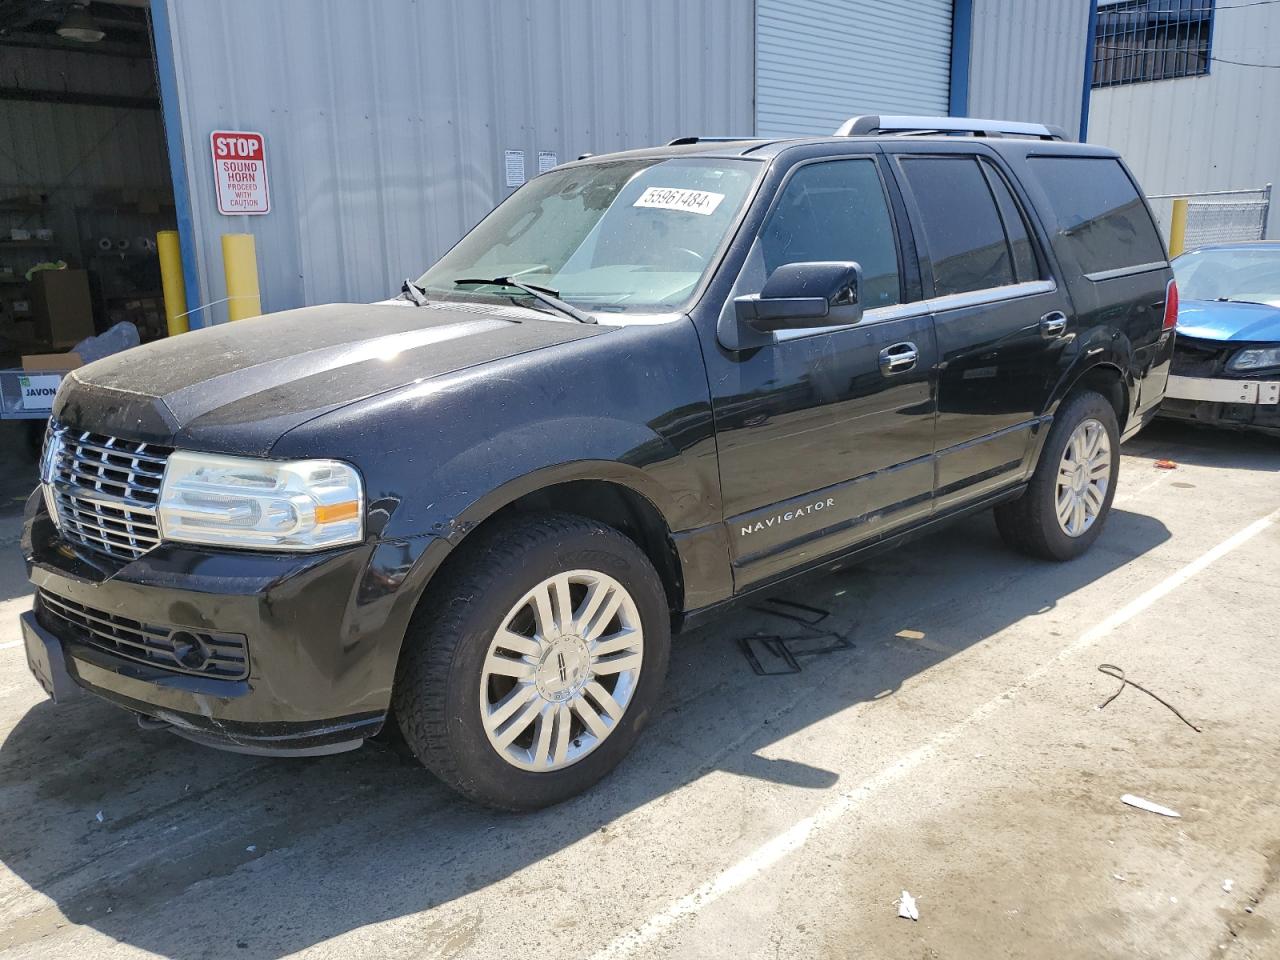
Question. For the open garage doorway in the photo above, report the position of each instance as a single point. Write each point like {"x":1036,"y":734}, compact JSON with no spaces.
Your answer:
{"x":84,"y":189}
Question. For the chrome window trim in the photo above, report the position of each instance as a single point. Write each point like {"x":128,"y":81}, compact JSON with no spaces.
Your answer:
{"x":1100,"y":275}
{"x":920,"y":308}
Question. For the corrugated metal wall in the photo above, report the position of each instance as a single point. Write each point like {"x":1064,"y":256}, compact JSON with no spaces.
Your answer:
{"x":1027,"y":60}
{"x":820,"y":63}
{"x":386,"y":122}
{"x":1215,"y":132}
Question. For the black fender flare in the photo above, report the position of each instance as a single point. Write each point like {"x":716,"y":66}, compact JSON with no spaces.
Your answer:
{"x":1093,"y":361}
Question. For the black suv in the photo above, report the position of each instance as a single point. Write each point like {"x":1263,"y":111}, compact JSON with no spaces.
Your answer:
{"x":647,"y":385}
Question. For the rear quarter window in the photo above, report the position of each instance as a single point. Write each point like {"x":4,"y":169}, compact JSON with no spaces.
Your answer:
{"x":1102,"y":220}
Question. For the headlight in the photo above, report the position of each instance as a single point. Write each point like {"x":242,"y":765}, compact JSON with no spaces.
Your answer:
{"x":260,"y":504}
{"x":1255,"y":358}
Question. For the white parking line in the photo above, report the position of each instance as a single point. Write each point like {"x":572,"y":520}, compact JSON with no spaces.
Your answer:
{"x":774,"y":850}
{"x":1125,"y":494}
{"x":11,"y":643}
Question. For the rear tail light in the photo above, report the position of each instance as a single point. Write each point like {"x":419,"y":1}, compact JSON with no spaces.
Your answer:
{"x":1170,"y":307}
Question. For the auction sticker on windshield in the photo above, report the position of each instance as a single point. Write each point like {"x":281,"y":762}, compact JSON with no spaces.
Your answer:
{"x":680,"y":198}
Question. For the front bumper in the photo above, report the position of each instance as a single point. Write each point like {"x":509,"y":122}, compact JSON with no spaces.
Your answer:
{"x":1202,"y":389}
{"x":1238,"y":404}
{"x":1261,"y":392}
{"x":322,"y":631}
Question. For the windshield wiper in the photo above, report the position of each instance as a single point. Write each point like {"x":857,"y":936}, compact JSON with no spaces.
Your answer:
{"x":543,"y":294}
{"x":1258,"y":303}
{"x":414,"y":293}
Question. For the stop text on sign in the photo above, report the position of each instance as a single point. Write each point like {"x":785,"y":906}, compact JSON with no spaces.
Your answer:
{"x":240,"y":172}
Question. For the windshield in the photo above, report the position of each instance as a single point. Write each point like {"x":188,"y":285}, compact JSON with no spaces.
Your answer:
{"x":624,"y":235}
{"x":1241,"y":274}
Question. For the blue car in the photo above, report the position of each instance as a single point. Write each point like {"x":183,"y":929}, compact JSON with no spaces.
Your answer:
{"x":1226,"y":362}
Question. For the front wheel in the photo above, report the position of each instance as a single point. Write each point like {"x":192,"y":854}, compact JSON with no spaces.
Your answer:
{"x":532,"y":667}
{"x":1067,"y":502}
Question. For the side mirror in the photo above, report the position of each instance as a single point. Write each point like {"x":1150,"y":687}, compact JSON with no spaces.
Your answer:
{"x":799,"y":295}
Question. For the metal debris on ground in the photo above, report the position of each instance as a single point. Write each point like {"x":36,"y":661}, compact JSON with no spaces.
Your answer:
{"x":790,"y":663}
{"x":907,"y":908}
{"x":1111,"y":670}
{"x":1147,"y":805}
{"x":1166,"y":465}
{"x":99,"y":817}
{"x":810,"y":641}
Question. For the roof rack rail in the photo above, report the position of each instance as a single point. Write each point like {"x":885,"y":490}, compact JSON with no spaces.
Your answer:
{"x":681,"y":141}
{"x":872,"y":125}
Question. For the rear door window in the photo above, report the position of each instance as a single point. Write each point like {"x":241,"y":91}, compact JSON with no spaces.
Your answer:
{"x":1025,"y":265}
{"x":962,"y":226}
{"x":1102,"y":220}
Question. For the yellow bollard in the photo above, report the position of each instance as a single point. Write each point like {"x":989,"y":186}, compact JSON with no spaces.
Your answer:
{"x":172,"y":282}
{"x":1178,"y":227}
{"x":240,"y":264}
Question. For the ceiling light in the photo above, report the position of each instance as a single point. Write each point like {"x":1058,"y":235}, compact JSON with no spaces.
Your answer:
{"x":79,"y":25}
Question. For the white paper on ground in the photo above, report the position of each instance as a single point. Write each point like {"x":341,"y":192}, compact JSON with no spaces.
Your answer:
{"x":1148,"y":806}
{"x":907,"y":908}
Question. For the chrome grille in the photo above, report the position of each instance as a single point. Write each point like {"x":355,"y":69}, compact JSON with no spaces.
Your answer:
{"x":224,"y":656}
{"x":105,"y":490}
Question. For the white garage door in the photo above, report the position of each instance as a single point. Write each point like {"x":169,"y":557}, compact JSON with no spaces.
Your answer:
{"x":819,"y":62}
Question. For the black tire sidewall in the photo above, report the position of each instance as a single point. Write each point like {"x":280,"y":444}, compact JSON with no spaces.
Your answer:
{"x":1044,"y":486}
{"x":482,"y":772}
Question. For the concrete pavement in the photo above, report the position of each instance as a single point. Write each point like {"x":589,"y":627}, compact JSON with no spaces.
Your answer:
{"x":965,"y":761}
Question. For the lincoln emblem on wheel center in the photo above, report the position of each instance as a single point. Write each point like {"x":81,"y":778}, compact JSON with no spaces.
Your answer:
{"x":647,"y":386}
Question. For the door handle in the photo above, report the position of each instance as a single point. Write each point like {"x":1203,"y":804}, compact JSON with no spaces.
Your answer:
{"x":1053,"y":324}
{"x":898,"y":358}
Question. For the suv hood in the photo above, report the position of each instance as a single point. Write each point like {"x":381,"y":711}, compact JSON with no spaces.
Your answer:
{"x":1217,"y":320}
{"x":238,"y":387}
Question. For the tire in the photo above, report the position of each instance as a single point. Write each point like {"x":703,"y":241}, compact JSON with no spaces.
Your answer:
{"x":454,"y":672}
{"x":1031,"y":523}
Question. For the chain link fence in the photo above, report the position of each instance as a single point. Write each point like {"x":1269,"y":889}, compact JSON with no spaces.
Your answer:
{"x":1217,"y":216}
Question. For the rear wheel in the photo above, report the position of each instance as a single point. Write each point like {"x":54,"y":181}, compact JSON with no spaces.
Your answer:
{"x":1069,"y":497}
{"x":531,"y":669}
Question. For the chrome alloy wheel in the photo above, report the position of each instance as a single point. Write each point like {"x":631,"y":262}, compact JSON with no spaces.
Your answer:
{"x":1083,"y":477}
{"x":561,"y":670}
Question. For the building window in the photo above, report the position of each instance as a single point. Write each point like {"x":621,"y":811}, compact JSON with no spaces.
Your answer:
{"x":1139,"y":40}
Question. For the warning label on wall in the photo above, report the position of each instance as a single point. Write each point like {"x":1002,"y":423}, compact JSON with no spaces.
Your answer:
{"x":240,"y":172}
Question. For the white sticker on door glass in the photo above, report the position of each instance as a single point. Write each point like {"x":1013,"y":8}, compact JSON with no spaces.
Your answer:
{"x":680,"y":198}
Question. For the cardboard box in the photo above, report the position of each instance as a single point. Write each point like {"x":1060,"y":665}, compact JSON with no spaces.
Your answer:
{"x":61,"y":306}
{"x":38,"y":362}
